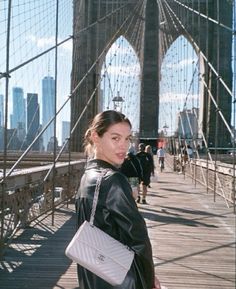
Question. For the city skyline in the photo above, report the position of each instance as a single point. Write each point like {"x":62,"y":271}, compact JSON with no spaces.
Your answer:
{"x":28,"y":118}
{"x":30,"y":38}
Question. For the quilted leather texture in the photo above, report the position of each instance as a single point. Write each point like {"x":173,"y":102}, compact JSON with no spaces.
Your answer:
{"x":100,"y":253}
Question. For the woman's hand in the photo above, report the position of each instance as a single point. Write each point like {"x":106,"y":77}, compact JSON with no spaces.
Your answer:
{"x":157,"y":284}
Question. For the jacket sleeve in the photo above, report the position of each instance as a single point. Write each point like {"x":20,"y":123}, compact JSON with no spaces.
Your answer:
{"x":130,"y":223}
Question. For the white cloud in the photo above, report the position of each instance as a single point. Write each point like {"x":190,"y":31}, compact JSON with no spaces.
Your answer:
{"x":181,"y":64}
{"x":116,"y":48}
{"x":175,"y":97}
{"x":67,"y":45}
{"x":45,"y":42}
{"x":130,"y":70}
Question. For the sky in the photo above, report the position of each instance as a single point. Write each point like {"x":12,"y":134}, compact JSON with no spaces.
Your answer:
{"x":179,"y":86}
{"x":121,"y":77}
{"x":32,"y":32}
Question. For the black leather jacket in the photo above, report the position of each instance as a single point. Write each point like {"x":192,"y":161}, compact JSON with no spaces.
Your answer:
{"x":117,"y":214}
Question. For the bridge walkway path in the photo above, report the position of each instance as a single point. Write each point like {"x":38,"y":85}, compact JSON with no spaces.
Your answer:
{"x":193,"y":241}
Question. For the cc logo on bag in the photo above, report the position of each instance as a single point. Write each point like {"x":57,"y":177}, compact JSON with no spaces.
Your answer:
{"x":100,"y":258}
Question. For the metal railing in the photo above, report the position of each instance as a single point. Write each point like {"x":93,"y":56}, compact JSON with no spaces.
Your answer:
{"x":27,"y":195}
{"x":217,"y":177}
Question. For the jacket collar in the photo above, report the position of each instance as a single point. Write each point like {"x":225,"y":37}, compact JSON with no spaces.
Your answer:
{"x":96,"y":163}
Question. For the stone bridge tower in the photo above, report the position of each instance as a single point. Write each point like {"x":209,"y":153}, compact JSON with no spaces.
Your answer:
{"x":97,"y":24}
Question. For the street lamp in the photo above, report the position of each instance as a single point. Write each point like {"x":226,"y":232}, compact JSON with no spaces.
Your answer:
{"x":118,"y":100}
{"x":165,"y":127}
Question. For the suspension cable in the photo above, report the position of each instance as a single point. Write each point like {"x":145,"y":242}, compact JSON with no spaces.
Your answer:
{"x":204,"y":16}
{"x":74,"y":90}
{"x":202,"y":54}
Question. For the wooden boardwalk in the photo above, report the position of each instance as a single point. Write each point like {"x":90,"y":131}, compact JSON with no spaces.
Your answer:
{"x":193,"y":242}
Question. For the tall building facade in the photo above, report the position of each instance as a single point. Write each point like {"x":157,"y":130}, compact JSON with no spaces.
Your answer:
{"x":1,"y":110}
{"x":32,"y":119}
{"x":18,"y":117}
{"x":65,"y":131}
{"x":188,"y":123}
{"x":48,"y":107}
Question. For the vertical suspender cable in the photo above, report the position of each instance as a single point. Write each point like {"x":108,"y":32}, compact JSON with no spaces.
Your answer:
{"x":234,"y":104}
{"x":204,"y":96}
{"x":96,"y":76}
{"x":194,"y":147}
{"x":217,"y":98}
{"x":55,"y":112}
{"x":6,"y":118}
{"x":207,"y":101}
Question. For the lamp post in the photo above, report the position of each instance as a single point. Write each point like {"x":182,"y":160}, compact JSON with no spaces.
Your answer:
{"x":165,"y":127}
{"x":118,"y":100}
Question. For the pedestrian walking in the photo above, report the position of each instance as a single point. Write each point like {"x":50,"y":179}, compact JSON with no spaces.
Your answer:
{"x":146,"y":163}
{"x":161,"y":158}
{"x":148,"y":149}
{"x":132,"y":169}
{"x":189,"y":152}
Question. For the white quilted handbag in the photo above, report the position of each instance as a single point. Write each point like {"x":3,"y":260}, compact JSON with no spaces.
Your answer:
{"x":99,"y":252}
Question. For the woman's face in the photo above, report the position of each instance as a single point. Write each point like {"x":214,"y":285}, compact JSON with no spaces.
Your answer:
{"x":114,"y":143}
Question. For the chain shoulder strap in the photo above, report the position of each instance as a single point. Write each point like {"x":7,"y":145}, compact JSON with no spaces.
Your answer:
{"x":95,"y":198}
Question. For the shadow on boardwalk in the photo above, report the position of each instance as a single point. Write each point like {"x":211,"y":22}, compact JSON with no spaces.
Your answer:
{"x":192,"y":237}
{"x":36,"y":256}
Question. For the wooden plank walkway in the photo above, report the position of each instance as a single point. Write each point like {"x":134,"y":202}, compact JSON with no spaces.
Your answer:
{"x":193,"y":242}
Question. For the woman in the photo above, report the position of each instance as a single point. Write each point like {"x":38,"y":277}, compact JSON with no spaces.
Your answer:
{"x":147,"y":167}
{"x":107,"y":141}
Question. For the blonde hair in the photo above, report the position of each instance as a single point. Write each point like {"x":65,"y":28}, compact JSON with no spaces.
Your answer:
{"x":148,"y":149}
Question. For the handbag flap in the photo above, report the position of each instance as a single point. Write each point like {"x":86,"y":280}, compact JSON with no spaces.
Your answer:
{"x":103,"y":243}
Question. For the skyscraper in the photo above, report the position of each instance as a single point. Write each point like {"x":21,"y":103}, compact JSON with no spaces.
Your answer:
{"x":48,"y":107}
{"x":32,"y":119}
{"x":1,"y":110}
{"x":65,"y":132}
{"x":187,"y":121}
{"x":18,"y":113}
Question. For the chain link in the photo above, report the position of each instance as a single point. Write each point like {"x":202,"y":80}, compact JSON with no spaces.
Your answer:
{"x":95,"y":198}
